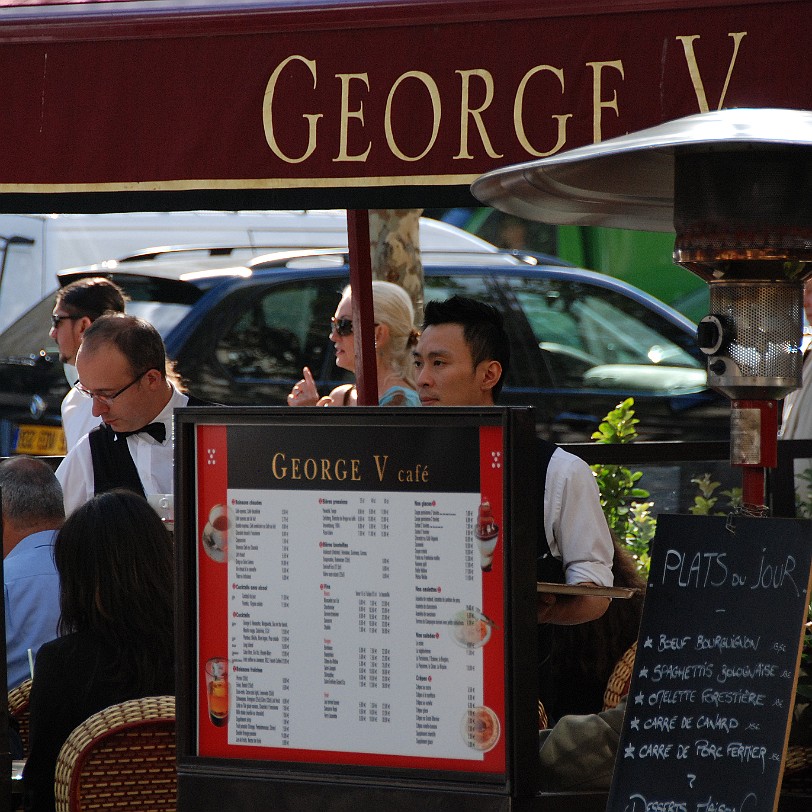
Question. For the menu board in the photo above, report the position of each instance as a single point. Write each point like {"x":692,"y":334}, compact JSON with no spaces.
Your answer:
{"x":708,"y":710}
{"x":351,"y":595}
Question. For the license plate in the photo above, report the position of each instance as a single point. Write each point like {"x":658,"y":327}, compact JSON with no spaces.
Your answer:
{"x":41,"y":441}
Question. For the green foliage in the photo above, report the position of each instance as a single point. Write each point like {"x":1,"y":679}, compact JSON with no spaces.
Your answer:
{"x":803,"y":495}
{"x":627,"y":513}
{"x":707,"y":498}
{"x":619,"y":425}
{"x":629,"y":517}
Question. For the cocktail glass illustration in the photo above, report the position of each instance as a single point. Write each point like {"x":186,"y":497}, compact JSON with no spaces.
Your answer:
{"x":217,"y":690}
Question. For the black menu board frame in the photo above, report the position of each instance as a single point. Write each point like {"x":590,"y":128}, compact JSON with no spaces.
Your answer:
{"x":710,"y":702}
{"x":406,"y":438}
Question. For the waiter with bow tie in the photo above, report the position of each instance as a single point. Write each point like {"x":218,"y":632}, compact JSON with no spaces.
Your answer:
{"x":121,"y":365}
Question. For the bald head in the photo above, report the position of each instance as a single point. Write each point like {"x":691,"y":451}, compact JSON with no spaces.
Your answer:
{"x":136,"y":339}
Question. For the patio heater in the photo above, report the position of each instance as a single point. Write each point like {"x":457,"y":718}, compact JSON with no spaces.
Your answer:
{"x":736,"y":186}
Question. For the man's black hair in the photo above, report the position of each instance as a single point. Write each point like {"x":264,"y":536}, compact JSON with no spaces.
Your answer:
{"x":92,"y":297}
{"x":482,"y":327}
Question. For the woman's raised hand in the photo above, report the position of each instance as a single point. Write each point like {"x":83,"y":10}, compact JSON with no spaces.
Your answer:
{"x":304,"y":393}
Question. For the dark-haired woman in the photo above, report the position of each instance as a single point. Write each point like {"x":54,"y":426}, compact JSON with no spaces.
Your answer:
{"x":115,"y":565}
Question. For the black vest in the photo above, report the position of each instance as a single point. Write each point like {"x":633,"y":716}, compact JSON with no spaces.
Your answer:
{"x":113,"y":465}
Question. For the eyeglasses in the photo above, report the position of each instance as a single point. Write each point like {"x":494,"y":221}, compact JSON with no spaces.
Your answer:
{"x":343,"y":327}
{"x":107,"y":400}
{"x":56,"y":319}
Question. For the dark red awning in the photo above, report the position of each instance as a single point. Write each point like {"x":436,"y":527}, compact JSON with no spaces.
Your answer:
{"x":361,"y":104}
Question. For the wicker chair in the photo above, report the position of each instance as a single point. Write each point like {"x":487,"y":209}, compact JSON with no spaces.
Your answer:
{"x":618,"y":685}
{"x":543,"y":720}
{"x":18,"y":710}
{"x":121,"y":758}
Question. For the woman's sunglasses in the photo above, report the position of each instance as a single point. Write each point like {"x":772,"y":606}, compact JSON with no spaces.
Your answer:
{"x":342,"y":327}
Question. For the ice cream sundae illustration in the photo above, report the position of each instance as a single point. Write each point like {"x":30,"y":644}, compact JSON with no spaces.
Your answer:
{"x":487,"y":534}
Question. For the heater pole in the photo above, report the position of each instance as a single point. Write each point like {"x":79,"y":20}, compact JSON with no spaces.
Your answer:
{"x":753,"y":481}
{"x":754,"y":447}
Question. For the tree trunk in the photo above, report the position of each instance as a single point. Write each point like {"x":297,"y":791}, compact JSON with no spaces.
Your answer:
{"x":395,"y":248}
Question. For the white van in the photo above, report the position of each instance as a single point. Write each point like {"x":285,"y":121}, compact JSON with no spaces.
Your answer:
{"x":34,"y":247}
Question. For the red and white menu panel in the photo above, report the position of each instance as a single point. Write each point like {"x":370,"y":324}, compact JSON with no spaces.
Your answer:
{"x":350,"y":594}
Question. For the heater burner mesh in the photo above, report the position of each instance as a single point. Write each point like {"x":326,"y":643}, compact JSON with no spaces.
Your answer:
{"x":766,"y":323}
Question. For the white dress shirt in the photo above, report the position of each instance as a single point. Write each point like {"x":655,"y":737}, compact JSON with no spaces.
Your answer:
{"x":154,"y":461}
{"x":576,"y":528}
{"x":796,"y":419}
{"x":77,"y":417}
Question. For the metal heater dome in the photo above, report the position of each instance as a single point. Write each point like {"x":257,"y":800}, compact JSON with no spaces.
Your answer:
{"x":736,"y":187}
{"x":628,"y":182}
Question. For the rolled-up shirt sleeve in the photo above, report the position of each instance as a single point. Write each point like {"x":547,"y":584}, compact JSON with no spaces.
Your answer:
{"x":576,"y":528}
{"x":75,"y":475}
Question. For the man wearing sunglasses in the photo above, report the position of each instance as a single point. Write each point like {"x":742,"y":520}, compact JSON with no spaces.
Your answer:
{"x":122,"y":370}
{"x":76,"y":307}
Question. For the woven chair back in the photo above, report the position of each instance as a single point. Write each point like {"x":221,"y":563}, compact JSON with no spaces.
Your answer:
{"x":121,"y":758}
{"x":18,"y":710}
{"x":618,"y":685}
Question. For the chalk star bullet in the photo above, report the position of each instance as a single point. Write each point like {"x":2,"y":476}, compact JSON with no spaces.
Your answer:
{"x":635,"y":723}
{"x":629,"y":753}
{"x":649,"y":643}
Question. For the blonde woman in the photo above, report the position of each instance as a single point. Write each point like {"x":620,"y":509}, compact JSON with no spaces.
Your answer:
{"x":395,"y":336}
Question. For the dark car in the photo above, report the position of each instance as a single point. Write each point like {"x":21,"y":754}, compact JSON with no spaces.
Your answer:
{"x":581,"y":341}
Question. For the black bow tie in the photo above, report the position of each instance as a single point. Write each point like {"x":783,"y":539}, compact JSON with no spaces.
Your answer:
{"x":155,"y":430}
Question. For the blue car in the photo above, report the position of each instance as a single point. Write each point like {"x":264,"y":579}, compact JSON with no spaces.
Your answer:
{"x":241,"y":331}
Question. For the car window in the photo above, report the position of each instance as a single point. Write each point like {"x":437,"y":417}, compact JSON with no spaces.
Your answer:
{"x":595,"y":338}
{"x":161,"y":315}
{"x":30,"y":332}
{"x":280,"y":330}
{"x":162,"y":304}
{"x":439,"y":288}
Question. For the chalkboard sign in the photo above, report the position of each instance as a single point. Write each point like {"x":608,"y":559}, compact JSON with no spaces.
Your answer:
{"x":711,"y":696}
